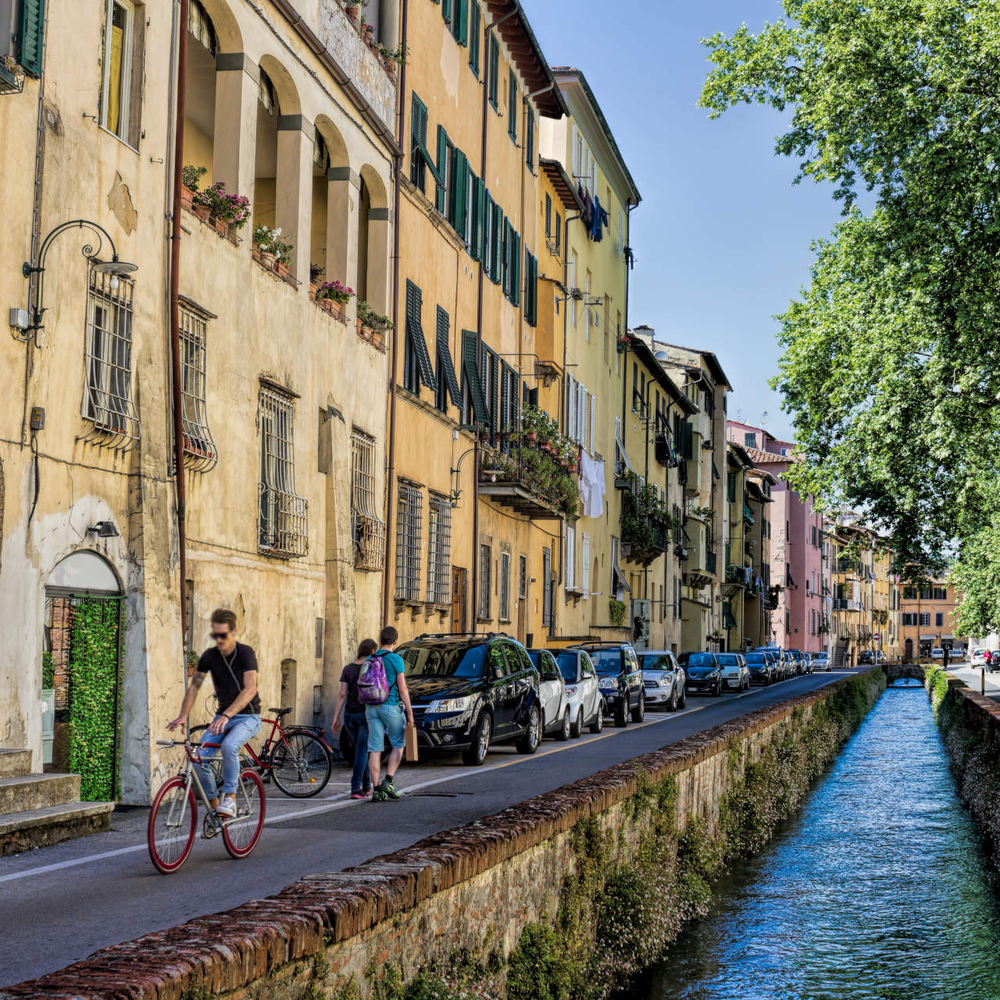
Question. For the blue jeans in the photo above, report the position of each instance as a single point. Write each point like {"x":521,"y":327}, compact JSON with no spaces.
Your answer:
{"x":239,"y":729}
{"x":356,"y":724}
{"x":385,"y":720}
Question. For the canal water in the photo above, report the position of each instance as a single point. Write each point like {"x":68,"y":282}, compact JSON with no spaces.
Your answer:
{"x":876,"y":891}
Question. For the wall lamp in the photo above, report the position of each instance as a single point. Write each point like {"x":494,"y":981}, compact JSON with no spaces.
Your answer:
{"x":29,"y":321}
{"x":103,"y":529}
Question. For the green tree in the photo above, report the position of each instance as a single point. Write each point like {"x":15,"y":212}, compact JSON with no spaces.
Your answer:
{"x":891,"y":362}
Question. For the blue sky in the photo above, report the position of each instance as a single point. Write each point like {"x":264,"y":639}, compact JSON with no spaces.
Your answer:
{"x":722,"y":235}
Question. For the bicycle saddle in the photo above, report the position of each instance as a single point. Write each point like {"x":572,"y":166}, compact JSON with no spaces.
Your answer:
{"x":279,"y":711}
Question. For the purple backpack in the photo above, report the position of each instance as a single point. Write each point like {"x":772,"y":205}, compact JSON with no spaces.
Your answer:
{"x":373,"y":688}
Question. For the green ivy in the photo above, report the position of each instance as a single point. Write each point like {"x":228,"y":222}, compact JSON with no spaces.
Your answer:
{"x":617,"y":611}
{"x":48,"y":671}
{"x":93,"y":682}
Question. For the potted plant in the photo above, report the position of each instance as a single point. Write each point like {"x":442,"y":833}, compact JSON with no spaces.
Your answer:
{"x":232,"y":210}
{"x":190,"y":175}
{"x":335,"y":291}
{"x":351,"y":9}
{"x":274,"y":252}
{"x":315,"y":273}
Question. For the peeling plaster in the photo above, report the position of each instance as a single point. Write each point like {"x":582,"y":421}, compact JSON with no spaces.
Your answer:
{"x":120,"y":202}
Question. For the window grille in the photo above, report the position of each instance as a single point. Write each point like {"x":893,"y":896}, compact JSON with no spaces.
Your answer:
{"x":925,"y":619}
{"x":200,"y":451}
{"x":107,"y":399}
{"x":505,"y":586}
{"x":367,"y":528}
{"x":282,"y":527}
{"x":439,"y":550}
{"x":409,"y":514}
{"x":485,"y":581}
{"x":522,"y":577}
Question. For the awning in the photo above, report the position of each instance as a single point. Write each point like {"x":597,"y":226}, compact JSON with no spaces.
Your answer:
{"x":619,"y":444}
{"x":619,"y":580}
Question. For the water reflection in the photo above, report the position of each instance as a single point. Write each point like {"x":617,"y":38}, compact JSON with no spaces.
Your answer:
{"x":875,"y":892}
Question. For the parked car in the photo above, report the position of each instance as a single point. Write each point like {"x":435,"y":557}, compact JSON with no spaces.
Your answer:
{"x":821,"y":661}
{"x":552,"y":693}
{"x":796,"y":659}
{"x":586,"y":705}
{"x":761,"y":668}
{"x":470,"y":692}
{"x":704,"y":673}
{"x":979,"y":657}
{"x":663,"y":678}
{"x":866,"y":656}
{"x":619,"y":680}
{"x":735,"y":675}
{"x":778,"y":661}
{"x":937,"y":653}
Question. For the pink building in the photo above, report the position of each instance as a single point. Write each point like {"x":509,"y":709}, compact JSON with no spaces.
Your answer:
{"x":796,"y":545}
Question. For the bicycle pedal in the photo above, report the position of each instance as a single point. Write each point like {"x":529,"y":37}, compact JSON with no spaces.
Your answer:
{"x":209,"y":827}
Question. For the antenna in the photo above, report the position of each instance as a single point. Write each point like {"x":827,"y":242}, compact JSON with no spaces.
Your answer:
{"x":763,"y":421}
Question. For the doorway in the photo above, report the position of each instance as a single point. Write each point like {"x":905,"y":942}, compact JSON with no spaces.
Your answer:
{"x":81,"y":672}
{"x":459,"y":593}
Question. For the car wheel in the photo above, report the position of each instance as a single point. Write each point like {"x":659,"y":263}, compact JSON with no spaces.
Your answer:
{"x":481,"y":735}
{"x":576,"y":726}
{"x":598,"y":724}
{"x":684,"y":698}
{"x":639,"y":712}
{"x":528,"y":743}
{"x":672,"y":702}
{"x":563,"y":732}
{"x":621,"y":714}
{"x":717,"y":693}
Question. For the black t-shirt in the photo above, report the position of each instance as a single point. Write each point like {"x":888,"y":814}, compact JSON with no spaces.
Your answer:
{"x":228,"y":680}
{"x":349,"y":676}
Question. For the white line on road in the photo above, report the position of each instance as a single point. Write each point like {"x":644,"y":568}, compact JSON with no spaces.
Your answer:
{"x":408,"y":790}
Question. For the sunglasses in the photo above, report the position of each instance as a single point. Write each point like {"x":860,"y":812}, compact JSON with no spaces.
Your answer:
{"x":219,"y":635}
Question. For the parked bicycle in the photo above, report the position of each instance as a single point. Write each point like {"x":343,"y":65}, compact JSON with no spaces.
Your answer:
{"x":173,"y":820}
{"x":297,"y":758}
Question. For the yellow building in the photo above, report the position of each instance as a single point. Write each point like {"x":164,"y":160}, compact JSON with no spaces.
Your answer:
{"x":280,"y":402}
{"x":928,"y":619}
{"x":466,"y":483}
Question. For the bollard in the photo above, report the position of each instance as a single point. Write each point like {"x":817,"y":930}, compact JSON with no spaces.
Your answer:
{"x":982,"y":681}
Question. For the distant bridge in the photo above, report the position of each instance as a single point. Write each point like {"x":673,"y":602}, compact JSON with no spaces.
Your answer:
{"x":899,"y":671}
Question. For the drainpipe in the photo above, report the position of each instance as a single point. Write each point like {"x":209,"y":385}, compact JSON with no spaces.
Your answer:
{"x":390,"y":472}
{"x":175,"y":336}
{"x":564,"y":406}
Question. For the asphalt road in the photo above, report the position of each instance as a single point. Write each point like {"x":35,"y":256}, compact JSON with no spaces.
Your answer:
{"x":973,"y":676}
{"x":61,"y":903}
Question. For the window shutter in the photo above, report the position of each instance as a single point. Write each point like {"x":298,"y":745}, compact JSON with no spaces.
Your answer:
{"x":32,"y":35}
{"x":582,"y":414}
{"x":418,"y":121}
{"x":470,"y":374}
{"x":444,"y":357}
{"x":570,"y":407}
{"x":441,"y":196}
{"x":414,"y":330}
{"x":529,"y":138}
{"x":593,"y":422}
{"x":498,"y":244}
{"x":475,"y":35}
{"x":585,"y":563}
{"x":446,"y":10}
{"x":460,"y":179}
{"x":479,"y":218}
{"x":494,"y":401}
{"x":462,"y":21}
{"x":548,"y":216}
{"x":515,"y":265}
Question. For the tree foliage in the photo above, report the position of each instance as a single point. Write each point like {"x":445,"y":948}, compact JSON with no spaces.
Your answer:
{"x":891,"y":361}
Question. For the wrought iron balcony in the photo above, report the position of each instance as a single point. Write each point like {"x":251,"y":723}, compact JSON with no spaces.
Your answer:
{"x":283,"y":523}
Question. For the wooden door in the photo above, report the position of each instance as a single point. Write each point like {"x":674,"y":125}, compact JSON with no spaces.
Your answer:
{"x":458,"y":599}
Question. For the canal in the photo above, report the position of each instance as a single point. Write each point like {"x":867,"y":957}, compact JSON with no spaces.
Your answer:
{"x":876,"y":890}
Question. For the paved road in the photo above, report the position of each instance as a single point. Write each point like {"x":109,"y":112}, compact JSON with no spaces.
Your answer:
{"x":59,"y":904}
{"x":973,"y":676}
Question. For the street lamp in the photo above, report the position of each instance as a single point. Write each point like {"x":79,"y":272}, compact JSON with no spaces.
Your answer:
{"x":29,"y":321}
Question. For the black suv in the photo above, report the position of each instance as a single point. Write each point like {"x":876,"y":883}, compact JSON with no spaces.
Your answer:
{"x":471,"y":691}
{"x":619,"y":678}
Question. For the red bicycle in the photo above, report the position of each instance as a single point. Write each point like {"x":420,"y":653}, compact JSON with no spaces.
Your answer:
{"x":173,"y":820}
{"x":296,"y":758}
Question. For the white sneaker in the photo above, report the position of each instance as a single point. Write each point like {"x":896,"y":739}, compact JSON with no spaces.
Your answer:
{"x":227,"y":807}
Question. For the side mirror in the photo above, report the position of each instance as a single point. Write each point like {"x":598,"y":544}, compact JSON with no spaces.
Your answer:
{"x":550,"y":676}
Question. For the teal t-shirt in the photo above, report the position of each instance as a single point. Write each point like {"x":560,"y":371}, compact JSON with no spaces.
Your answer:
{"x":394,"y":666}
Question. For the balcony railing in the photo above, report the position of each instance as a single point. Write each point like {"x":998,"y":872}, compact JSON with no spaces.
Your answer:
{"x":697,"y":571}
{"x":283,"y":523}
{"x":646,"y":532}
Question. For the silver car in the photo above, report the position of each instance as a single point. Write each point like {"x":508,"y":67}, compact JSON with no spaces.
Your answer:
{"x":735,"y":672}
{"x":583,"y":698}
{"x":552,"y":694}
{"x":663,"y":679}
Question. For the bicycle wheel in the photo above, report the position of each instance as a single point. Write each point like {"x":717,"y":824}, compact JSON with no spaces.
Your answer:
{"x":240,"y":835}
{"x":300,"y":765}
{"x":171,"y":828}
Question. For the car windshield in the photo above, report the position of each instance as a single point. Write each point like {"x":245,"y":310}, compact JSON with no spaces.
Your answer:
{"x":445,"y":660}
{"x":728,"y":659}
{"x":567,"y":666}
{"x":656,"y":661}
{"x":606,"y":661}
{"x":756,"y":658}
{"x":701,"y":660}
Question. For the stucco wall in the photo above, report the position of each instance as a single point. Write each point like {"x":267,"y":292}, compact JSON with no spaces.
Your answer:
{"x":429,"y":901}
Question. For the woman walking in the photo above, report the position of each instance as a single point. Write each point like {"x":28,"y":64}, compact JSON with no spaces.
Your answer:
{"x":355,"y":720}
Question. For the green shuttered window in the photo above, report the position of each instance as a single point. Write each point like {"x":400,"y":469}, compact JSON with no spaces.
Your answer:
{"x":494,"y":72}
{"x":512,"y":108}
{"x":475,"y":35}
{"x":32,"y":35}
{"x":417,"y":365}
{"x":474,"y":410}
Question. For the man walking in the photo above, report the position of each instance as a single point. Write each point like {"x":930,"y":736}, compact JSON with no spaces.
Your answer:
{"x":233,"y":667}
{"x":355,"y":720}
{"x":388,"y":719}
{"x":945,"y":657}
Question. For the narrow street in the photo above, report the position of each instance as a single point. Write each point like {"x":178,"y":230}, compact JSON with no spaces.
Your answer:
{"x":99,"y":890}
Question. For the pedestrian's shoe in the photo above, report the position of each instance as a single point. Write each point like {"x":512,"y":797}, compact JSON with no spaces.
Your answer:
{"x":379,"y":796}
{"x":227,"y":807}
{"x":359,"y":795}
{"x":209,"y":826}
{"x":389,"y":788}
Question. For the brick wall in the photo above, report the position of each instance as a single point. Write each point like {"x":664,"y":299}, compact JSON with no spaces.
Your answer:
{"x":423,"y":902}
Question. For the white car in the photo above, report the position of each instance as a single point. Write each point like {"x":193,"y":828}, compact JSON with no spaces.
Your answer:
{"x":979,"y":657}
{"x":820,"y":661}
{"x":937,"y":653}
{"x":556,"y":717}
{"x":663,"y":680}
{"x":584,"y":700}
{"x":735,"y":672}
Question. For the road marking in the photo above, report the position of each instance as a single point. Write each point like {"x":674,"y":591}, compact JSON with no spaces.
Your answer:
{"x":333,"y":806}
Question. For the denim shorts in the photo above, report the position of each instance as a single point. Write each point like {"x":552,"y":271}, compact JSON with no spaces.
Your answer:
{"x":385,"y":720}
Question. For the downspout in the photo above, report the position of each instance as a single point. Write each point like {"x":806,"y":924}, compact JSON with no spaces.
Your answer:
{"x":390,"y":471}
{"x":564,"y":407}
{"x":175,"y":336}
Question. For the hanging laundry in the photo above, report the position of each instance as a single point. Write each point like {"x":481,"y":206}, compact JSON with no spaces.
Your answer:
{"x":594,"y":231}
{"x":591,"y":485}
{"x":587,"y":216}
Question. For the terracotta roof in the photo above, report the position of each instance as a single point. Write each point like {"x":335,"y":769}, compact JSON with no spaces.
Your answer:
{"x":513,"y":27}
{"x":767,"y":457}
{"x":565,"y":188}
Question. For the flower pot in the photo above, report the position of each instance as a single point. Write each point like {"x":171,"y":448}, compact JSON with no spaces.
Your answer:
{"x":352,"y":13}
{"x":368,"y":33}
{"x":203,"y":212}
{"x":531,"y":436}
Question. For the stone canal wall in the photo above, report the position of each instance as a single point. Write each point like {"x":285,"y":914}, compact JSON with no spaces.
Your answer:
{"x":567,"y":894}
{"x":970,"y":727}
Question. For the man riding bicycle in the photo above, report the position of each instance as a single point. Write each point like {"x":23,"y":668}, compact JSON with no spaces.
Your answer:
{"x":233,"y":667}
